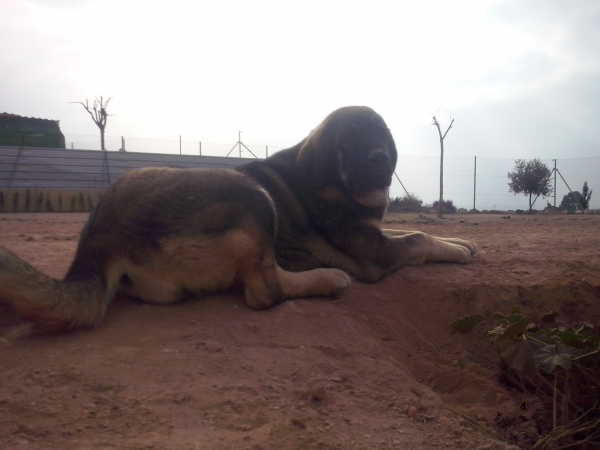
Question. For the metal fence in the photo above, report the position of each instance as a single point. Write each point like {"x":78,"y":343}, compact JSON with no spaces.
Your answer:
{"x":47,"y":168}
{"x":181,"y":145}
{"x":480,"y":183}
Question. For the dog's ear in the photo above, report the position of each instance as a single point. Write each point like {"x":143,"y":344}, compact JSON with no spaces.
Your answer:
{"x":315,"y":155}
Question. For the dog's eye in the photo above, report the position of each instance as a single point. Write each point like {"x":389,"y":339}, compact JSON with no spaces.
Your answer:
{"x":378,"y":158}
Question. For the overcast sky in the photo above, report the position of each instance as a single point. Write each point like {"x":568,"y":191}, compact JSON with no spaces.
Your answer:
{"x":521,"y":78}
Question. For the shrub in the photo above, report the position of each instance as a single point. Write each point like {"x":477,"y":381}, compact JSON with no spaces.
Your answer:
{"x":410,"y":202}
{"x":557,"y":366}
{"x":447,"y":206}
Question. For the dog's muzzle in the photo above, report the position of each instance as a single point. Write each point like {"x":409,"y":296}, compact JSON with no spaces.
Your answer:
{"x":379,"y":160}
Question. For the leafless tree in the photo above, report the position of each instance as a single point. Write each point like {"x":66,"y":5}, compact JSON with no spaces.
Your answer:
{"x":98,"y":114}
{"x":442,"y":136}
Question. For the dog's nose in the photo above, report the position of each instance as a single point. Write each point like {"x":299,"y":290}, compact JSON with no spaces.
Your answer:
{"x":378,"y":159}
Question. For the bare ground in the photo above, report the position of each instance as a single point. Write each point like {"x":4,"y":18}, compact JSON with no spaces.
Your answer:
{"x":374,"y":369}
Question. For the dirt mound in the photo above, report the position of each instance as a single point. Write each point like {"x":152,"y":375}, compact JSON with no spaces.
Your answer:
{"x":376,"y":368}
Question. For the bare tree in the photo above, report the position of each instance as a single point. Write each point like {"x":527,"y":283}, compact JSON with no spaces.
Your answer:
{"x":442,"y":136}
{"x":98,"y":114}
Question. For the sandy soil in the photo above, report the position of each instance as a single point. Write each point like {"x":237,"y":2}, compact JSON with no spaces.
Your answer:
{"x":374,"y":369}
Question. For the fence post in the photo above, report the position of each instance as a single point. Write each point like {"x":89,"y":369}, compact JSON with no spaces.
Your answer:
{"x":200,"y":147}
{"x":554,"y":183}
{"x":180,"y":144}
{"x":267,"y":151}
{"x":474,"y":182}
{"x":14,"y":170}
{"x":107,"y":169}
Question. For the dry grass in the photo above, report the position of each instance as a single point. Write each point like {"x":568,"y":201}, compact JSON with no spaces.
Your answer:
{"x":48,"y":200}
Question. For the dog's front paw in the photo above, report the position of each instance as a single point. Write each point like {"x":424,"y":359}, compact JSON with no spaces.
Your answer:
{"x":313,"y":283}
{"x":472,"y":246}
{"x":464,"y":254}
{"x":341,"y":280}
{"x":331,"y":281}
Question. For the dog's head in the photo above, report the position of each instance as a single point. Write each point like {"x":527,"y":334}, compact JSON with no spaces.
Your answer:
{"x":352,"y":149}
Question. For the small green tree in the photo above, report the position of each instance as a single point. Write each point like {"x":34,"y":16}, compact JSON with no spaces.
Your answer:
{"x":531,"y":178}
{"x":410,"y":202}
{"x":447,"y":206}
{"x":577,"y":200}
{"x":586,"y":195}
{"x":570,"y":202}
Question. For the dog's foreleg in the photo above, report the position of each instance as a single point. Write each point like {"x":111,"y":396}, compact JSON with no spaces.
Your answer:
{"x":312,"y":283}
{"x":419,"y":248}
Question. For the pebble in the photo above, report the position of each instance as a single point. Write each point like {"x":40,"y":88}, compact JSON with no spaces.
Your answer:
{"x":314,"y":391}
{"x":213,"y":346}
{"x":412,"y":412}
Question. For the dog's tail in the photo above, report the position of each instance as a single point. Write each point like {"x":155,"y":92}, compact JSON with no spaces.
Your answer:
{"x":50,"y":304}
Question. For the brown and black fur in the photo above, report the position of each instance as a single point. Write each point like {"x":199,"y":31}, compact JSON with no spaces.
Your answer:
{"x":291,"y":226}
{"x":331,"y":193}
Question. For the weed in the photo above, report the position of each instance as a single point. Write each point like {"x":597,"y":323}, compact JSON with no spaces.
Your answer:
{"x":16,"y":201}
{"x":50,"y":200}
{"x":556,"y":367}
{"x":39,"y":202}
{"x":27,"y":199}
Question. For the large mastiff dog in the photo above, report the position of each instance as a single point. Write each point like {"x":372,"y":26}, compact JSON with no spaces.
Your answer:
{"x":295,"y":225}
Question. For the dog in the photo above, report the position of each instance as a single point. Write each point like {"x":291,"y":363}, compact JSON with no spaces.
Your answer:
{"x":298,"y":224}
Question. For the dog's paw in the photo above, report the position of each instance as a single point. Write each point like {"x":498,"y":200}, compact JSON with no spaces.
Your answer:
{"x":471,"y":246}
{"x":463,"y":255}
{"x":341,"y":280}
{"x":333,"y":281}
{"x":313,"y":283}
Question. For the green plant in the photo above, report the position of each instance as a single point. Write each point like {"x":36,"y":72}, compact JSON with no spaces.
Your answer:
{"x":39,"y":201}
{"x":27,"y":199}
{"x":15,"y":202}
{"x":530,"y":178}
{"x":559,"y":365}
{"x":410,"y":202}
{"x":447,"y":206}
{"x":577,"y":200}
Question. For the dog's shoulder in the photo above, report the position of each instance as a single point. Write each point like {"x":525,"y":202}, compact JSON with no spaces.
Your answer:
{"x":281,"y":177}
{"x":282,"y":164}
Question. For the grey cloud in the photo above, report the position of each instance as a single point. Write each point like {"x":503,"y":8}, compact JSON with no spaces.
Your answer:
{"x":559,"y":120}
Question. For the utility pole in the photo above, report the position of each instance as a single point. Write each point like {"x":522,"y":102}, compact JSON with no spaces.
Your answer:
{"x":240,"y":144}
{"x":474,"y":182}
{"x":554,"y":182}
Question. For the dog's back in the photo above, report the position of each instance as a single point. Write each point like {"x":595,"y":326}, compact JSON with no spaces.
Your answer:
{"x":160,"y":235}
